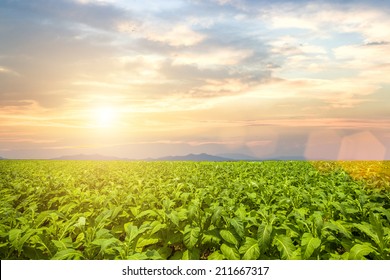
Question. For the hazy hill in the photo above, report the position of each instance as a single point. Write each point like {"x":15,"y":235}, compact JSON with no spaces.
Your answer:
{"x":194,"y":157}
{"x":235,"y":156}
{"x":189,"y":157}
{"x":87,"y":157}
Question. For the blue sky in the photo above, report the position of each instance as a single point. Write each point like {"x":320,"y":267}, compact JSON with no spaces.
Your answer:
{"x":153,"y":78}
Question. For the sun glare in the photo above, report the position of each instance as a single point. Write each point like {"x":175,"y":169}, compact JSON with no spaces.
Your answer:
{"x":105,"y":117}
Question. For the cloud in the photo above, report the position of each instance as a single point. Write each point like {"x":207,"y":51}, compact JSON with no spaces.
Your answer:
{"x":6,"y":71}
{"x":179,"y":35}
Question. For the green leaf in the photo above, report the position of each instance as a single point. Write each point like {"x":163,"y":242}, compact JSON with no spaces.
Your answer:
{"x":264,"y":233}
{"x":238,"y":225}
{"x":216,"y":215}
{"x":340,"y":226}
{"x":211,"y":237}
{"x":230,"y":252}
{"x":137,"y":256}
{"x":368,"y":230}
{"x":142,"y":242}
{"x":285,"y":246}
{"x":309,"y":244}
{"x":116,"y":212}
{"x":228,"y":236}
{"x":174,"y":217}
{"x":153,"y":255}
{"x":149,"y":213}
{"x":377,"y":227}
{"x":193,"y":254}
{"x":250,"y":249}
{"x":105,"y":243}
{"x":165,"y":252}
{"x":103,"y":233}
{"x":68,"y":254}
{"x":359,"y":251}
{"x":63,"y":244}
{"x":157,"y":226}
{"x":131,"y":231}
{"x":192,"y":212}
{"x":80,"y":237}
{"x":216,"y":256}
{"x":191,"y":237}
{"x":14,"y":236}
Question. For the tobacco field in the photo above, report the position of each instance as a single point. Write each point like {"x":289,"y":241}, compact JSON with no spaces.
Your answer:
{"x":194,"y":210}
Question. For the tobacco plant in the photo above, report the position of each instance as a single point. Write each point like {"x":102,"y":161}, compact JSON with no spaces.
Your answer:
{"x":194,"y":210}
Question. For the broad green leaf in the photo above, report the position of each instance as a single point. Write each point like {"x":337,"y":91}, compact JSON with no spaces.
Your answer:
{"x":230,"y":252}
{"x":264,"y":233}
{"x":211,"y":237}
{"x":216,"y":256}
{"x":157,"y":227}
{"x":135,"y":211}
{"x":241,"y":212}
{"x":80,"y":237}
{"x":238,"y":225}
{"x":68,"y":254}
{"x":105,"y":243}
{"x":191,"y":237}
{"x":368,"y":230}
{"x":359,"y":251}
{"x":193,"y":254}
{"x":149,"y":213}
{"x":116,"y":211}
{"x":193,"y":212}
{"x":228,"y":236}
{"x":103,"y":233}
{"x":14,"y":236}
{"x":63,"y":244}
{"x":153,"y":255}
{"x":103,"y":218}
{"x":340,"y":226}
{"x":250,"y":249}
{"x":137,"y":256}
{"x":216,"y":215}
{"x":309,"y":244}
{"x":142,"y":242}
{"x":164,"y":252}
{"x":19,"y":242}
{"x":131,"y":231}
{"x":174,"y":217}
{"x":285,"y":246}
{"x":377,"y":227}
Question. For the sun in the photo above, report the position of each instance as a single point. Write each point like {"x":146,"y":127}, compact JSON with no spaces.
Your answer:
{"x":105,"y":117}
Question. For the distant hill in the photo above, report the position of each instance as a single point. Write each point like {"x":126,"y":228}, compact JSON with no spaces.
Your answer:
{"x":194,"y":157}
{"x":234,"y":156}
{"x":189,"y":157}
{"x":2,"y":158}
{"x":287,"y":158}
{"x":87,"y":157}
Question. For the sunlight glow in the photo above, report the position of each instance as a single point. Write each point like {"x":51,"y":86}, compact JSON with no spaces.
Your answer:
{"x":105,"y":117}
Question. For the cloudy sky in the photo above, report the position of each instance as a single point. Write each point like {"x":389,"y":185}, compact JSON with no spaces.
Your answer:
{"x":147,"y":78}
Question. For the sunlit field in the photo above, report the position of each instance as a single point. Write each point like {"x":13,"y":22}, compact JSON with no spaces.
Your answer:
{"x":194,"y":210}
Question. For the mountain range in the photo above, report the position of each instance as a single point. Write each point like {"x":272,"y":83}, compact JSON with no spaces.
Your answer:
{"x":188,"y":157}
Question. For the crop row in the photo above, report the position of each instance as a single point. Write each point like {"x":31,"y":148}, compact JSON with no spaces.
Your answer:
{"x":188,"y":210}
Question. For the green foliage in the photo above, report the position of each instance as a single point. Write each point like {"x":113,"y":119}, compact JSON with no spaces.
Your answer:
{"x":192,"y":210}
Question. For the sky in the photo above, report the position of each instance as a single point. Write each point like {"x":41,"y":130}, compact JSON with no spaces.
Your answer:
{"x":140,"y":79}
